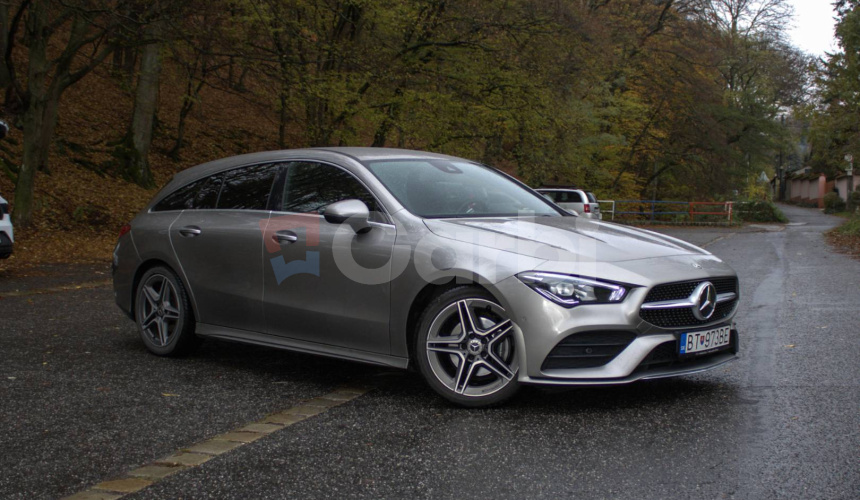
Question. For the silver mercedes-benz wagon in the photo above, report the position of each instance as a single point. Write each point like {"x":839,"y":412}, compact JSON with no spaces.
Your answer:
{"x":412,"y":259}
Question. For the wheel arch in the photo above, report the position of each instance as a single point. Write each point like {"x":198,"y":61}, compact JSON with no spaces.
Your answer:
{"x":146,"y":266}
{"x":428,"y":294}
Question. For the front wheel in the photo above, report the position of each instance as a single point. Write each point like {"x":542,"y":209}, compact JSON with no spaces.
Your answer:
{"x":465,"y":348}
{"x":163,"y":314}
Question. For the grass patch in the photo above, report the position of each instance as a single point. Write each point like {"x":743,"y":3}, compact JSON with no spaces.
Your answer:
{"x":846,"y":238}
{"x":759,"y":211}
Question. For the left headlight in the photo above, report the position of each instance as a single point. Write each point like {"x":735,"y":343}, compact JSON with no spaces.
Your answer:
{"x":570,"y":291}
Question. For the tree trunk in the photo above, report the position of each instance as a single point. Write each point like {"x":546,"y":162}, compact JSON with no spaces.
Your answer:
{"x":139,"y":137}
{"x":282,"y":121}
{"x":5,"y":79}
{"x":34,"y":114}
{"x":180,"y":129}
{"x":40,"y":97}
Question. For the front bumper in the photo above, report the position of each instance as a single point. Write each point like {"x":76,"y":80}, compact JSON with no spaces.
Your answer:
{"x":641,"y":369}
{"x":652,"y":353}
{"x":6,"y":245}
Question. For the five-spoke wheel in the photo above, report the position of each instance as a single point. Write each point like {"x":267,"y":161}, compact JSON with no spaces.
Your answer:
{"x":163,"y":314}
{"x":466,"y":348}
{"x":160,"y":309}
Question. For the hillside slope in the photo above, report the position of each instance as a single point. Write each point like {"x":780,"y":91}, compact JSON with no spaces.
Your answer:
{"x":82,"y":202}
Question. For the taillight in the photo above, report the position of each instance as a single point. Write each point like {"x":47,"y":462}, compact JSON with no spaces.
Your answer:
{"x":124,"y":229}
{"x":587,"y":208}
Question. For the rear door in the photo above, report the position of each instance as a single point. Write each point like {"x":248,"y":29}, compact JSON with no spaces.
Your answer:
{"x":219,"y":245}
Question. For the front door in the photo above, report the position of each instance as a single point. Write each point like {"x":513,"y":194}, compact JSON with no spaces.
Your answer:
{"x":324,"y":283}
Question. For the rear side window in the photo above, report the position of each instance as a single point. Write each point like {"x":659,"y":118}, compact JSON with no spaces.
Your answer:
{"x":181,"y":199}
{"x":247,"y":188}
{"x":244,"y":188}
{"x":207,"y":195}
{"x":591,"y":198}
{"x":566,"y":197}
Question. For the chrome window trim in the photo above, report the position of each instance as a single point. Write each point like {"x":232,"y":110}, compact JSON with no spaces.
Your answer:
{"x":281,"y":163}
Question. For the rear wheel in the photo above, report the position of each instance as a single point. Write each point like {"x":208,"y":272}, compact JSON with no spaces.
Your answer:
{"x":163,"y":314}
{"x":465,"y":348}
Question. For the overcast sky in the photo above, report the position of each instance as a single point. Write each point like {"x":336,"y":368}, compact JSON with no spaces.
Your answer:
{"x":813,"y":26}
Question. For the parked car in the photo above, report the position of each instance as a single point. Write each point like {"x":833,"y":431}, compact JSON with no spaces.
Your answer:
{"x":7,"y":235}
{"x":412,"y":259}
{"x":582,"y":202}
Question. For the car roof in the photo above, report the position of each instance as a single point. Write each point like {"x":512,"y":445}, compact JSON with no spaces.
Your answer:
{"x":330,"y":154}
{"x":360,"y":154}
{"x":559,"y":189}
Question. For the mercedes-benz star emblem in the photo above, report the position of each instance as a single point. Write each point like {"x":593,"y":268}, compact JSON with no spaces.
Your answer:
{"x":704,"y":301}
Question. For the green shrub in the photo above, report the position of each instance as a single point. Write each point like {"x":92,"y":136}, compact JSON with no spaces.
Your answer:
{"x":833,"y":203}
{"x":854,"y":200}
{"x":759,"y":211}
{"x":850,"y":228}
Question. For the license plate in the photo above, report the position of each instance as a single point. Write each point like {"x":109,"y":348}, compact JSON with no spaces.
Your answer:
{"x":707,"y":340}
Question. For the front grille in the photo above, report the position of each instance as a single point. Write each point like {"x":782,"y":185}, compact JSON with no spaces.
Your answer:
{"x":587,"y":350}
{"x":683,"y":289}
{"x":683,"y":317}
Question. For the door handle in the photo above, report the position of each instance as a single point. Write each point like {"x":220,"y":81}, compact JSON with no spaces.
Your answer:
{"x":284,"y":237}
{"x":190,"y":231}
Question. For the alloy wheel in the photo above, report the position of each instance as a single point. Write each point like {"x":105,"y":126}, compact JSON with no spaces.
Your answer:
{"x":160,"y":312}
{"x":470,"y":347}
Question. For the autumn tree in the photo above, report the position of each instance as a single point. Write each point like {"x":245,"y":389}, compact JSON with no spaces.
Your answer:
{"x":836,"y":120}
{"x":79,"y":29}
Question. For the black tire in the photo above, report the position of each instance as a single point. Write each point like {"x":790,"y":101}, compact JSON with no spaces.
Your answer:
{"x":442,"y":370}
{"x":178,"y":338}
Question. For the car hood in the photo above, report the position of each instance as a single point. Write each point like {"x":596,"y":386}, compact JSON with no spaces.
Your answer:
{"x":562,"y":238}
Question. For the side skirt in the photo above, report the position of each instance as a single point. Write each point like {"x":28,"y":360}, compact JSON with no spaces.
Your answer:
{"x":263,"y":339}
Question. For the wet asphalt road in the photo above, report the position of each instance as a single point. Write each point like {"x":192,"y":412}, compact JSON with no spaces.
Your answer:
{"x":81,"y":401}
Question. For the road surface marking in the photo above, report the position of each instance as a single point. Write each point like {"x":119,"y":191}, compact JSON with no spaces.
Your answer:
{"x":199,"y":453}
{"x":65,"y":288}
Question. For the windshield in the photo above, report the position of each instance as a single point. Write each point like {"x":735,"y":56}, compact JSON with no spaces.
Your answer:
{"x":442,"y":188}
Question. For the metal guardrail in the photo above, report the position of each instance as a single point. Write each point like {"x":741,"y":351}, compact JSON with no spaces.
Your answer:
{"x":649,"y":209}
{"x":609,"y":211}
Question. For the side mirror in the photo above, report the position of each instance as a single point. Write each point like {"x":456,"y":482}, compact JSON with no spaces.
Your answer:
{"x":353,"y":212}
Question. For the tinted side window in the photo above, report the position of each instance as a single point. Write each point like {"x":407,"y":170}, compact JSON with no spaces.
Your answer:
{"x":181,"y":199}
{"x":247,"y":188}
{"x":311,"y":187}
{"x":207,"y":195}
{"x":550,"y":194}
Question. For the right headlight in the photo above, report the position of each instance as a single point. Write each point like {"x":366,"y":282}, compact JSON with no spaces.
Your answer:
{"x":570,"y":291}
